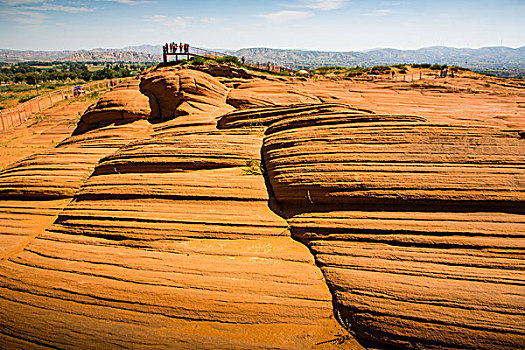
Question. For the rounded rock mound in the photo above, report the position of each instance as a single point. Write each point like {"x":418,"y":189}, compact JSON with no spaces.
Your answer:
{"x":124,"y":104}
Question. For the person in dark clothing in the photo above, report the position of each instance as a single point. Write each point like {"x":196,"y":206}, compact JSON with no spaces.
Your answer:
{"x":242,"y":59}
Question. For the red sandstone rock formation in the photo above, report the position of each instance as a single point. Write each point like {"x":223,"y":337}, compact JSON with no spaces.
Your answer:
{"x":415,"y":226}
{"x":259,"y":93}
{"x":173,"y":93}
{"x":121,"y":105}
{"x":169,"y":244}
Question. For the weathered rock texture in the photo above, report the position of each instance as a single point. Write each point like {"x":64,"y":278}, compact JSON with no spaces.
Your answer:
{"x":261,"y":93}
{"x":173,"y":93}
{"x":170,"y":244}
{"x":122,"y":105}
{"x":417,"y":227}
{"x":161,"y":236}
{"x":230,"y":71}
{"x":59,"y":172}
{"x":34,"y":190}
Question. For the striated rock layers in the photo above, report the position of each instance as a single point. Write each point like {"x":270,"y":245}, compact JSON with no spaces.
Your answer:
{"x":417,"y":227}
{"x":161,"y":235}
{"x":264,"y":93}
{"x":122,"y":105}
{"x":173,"y":93}
{"x":170,"y":244}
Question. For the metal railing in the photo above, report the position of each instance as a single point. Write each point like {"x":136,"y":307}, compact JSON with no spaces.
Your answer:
{"x":267,"y":66}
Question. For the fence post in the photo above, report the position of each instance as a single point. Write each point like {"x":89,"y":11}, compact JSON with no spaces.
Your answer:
{"x":2,"y":117}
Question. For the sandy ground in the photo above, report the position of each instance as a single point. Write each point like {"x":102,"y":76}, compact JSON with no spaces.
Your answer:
{"x":43,"y":132}
{"x":476,"y":100}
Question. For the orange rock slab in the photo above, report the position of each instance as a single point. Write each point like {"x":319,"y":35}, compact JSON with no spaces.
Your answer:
{"x":417,"y":227}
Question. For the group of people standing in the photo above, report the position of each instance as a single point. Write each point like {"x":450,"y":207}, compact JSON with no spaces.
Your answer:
{"x":172,"y":48}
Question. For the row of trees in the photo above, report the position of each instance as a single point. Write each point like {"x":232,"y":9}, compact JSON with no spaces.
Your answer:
{"x":39,"y":72}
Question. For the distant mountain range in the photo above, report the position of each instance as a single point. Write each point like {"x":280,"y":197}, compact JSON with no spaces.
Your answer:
{"x":95,"y":55}
{"x":486,"y":58}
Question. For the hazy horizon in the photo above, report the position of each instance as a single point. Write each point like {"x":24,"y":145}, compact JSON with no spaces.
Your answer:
{"x":271,"y":48}
{"x":321,"y":25}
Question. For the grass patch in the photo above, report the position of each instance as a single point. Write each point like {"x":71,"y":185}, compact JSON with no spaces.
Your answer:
{"x":26,"y":98}
{"x":253,"y":167}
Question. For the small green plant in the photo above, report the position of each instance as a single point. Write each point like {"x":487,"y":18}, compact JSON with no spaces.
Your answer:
{"x":256,"y":122}
{"x":228,"y":59}
{"x":181,"y":62}
{"x":356,"y":71}
{"x":380,"y":70}
{"x":198,"y":61}
{"x":486,"y":85}
{"x":253,"y":167}
{"x":26,"y":98}
{"x":74,"y":122}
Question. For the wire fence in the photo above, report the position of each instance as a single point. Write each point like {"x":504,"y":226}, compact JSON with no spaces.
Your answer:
{"x":15,"y":116}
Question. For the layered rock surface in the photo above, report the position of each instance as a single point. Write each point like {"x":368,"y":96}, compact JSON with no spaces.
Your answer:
{"x":122,"y":105}
{"x":417,"y":227}
{"x":34,"y":190}
{"x":263,"y":93}
{"x":170,"y":243}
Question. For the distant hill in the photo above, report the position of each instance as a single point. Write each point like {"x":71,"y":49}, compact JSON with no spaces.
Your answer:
{"x":487,"y":57}
{"x":11,"y":56}
{"x":146,"y":48}
{"x":500,"y":60}
{"x":95,"y":55}
{"x":112,"y":56}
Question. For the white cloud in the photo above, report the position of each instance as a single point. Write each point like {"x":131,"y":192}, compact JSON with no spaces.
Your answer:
{"x":25,"y":17}
{"x":322,"y":4}
{"x":131,"y":2}
{"x":377,"y":13}
{"x":19,"y":2}
{"x":285,"y":16}
{"x":211,"y":20}
{"x":156,"y":18}
{"x":60,"y":8}
{"x":393,"y":3}
{"x":179,"y":21}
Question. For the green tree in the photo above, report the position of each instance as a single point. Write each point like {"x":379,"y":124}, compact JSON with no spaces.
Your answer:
{"x":4,"y":77}
{"x":32,"y":78}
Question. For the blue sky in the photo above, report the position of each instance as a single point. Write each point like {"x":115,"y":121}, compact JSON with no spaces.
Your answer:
{"x":336,"y":25}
